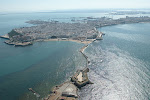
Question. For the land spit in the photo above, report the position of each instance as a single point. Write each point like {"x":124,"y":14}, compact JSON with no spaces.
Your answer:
{"x":68,"y":90}
{"x":83,"y":31}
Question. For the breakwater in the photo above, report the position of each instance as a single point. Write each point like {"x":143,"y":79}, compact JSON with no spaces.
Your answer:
{"x":68,"y":90}
{"x":117,"y":68}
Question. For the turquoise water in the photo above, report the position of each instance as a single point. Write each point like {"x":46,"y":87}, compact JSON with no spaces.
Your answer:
{"x":40,"y":66}
{"x":119,"y":67}
{"x":120,"y":64}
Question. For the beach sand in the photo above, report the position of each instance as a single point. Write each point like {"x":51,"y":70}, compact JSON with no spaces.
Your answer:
{"x":78,"y":41}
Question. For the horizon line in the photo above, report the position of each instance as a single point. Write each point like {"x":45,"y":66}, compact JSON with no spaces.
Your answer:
{"x":73,"y":10}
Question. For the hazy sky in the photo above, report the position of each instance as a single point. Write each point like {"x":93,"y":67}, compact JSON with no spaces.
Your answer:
{"x":40,"y":5}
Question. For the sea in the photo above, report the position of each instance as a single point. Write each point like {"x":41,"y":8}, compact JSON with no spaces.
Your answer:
{"x":119,"y":64}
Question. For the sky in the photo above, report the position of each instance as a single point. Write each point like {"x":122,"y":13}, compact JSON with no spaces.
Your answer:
{"x":50,"y":5}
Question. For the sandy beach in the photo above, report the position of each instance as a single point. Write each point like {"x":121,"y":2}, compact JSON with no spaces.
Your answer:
{"x":78,"y":41}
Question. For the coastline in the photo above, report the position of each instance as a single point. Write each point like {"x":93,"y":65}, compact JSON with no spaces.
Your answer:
{"x":68,"y":90}
{"x":78,"y":41}
{"x":5,"y":36}
{"x":88,"y":41}
{"x":57,"y":31}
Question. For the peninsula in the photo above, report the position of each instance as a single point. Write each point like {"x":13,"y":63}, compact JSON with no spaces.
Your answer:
{"x":82,"y":31}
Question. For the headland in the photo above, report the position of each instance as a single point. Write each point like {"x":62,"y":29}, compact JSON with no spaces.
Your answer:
{"x":83,"y":31}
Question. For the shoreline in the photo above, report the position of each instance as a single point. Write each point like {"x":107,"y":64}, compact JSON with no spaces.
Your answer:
{"x":45,"y":40}
{"x":5,"y":36}
{"x":77,"y":80}
{"x":77,"y":41}
{"x":80,"y":35}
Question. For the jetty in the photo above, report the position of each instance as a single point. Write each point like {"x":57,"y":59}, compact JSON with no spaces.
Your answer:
{"x":83,"y":30}
{"x":82,"y":50}
{"x":68,"y":90}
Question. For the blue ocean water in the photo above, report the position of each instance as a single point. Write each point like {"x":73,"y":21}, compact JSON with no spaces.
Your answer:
{"x":40,"y":66}
{"x":119,"y":63}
